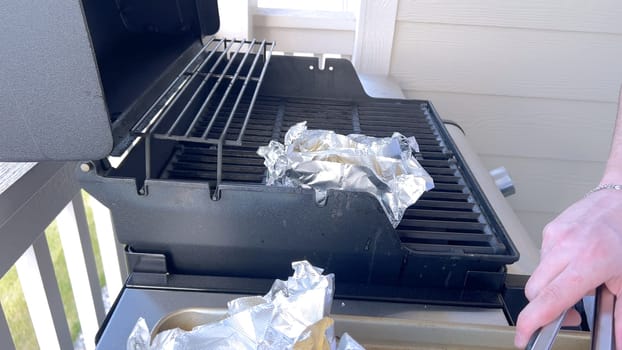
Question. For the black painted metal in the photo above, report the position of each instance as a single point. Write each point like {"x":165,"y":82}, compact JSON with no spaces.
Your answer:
{"x":485,"y":297}
{"x":105,"y":63}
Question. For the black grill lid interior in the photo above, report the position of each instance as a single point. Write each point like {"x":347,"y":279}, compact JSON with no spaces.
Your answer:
{"x":77,"y":74}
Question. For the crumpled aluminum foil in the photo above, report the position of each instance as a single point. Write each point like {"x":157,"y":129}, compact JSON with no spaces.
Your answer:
{"x":323,"y":160}
{"x":281,"y":319}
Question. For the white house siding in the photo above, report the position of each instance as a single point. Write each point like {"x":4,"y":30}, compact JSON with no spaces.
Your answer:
{"x":533,"y":83}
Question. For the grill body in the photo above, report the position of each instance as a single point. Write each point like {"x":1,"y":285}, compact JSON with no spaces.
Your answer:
{"x":166,"y":199}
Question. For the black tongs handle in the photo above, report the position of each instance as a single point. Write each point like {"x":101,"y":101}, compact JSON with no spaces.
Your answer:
{"x":603,"y":337}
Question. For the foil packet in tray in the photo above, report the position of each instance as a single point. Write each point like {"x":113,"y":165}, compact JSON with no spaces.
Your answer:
{"x":292,"y":315}
{"x":324,"y":160}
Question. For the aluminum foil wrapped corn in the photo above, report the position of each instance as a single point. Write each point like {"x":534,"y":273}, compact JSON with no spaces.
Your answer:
{"x":324,"y":160}
{"x":292,"y":315}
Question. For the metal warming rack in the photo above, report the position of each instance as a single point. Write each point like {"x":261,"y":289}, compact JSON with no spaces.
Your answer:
{"x":211,"y":100}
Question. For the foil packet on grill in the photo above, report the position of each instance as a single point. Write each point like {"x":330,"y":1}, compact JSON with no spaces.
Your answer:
{"x":324,"y":160}
{"x":292,"y":315}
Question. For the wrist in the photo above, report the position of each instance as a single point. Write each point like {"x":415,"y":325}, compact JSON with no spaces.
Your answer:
{"x":606,"y":186}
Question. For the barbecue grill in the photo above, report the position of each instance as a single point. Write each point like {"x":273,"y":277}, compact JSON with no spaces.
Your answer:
{"x":186,"y":112}
{"x":199,"y":141}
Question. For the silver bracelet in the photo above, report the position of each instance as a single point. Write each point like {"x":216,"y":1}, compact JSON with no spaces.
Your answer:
{"x":604,"y":187}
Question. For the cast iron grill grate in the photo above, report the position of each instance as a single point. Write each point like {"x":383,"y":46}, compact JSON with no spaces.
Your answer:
{"x":445,"y":219}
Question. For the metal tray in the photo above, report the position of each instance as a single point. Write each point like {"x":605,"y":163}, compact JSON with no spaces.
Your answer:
{"x":378,"y":333}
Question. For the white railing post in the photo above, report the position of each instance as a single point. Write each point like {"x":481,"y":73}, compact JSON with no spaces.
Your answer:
{"x":36,"y":300}
{"x":78,"y":275}
{"x":89,"y":256}
{"x":52,"y":291}
{"x":111,"y":257}
{"x":6,"y":341}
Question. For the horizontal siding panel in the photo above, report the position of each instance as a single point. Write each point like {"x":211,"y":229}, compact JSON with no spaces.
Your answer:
{"x":507,"y":62}
{"x":544,"y":185}
{"x":529,"y":127}
{"x":534,"y":222}
{"x":601,"y":16}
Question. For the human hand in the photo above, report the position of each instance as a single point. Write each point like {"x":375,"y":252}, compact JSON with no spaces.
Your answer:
{"x":581,"y":249}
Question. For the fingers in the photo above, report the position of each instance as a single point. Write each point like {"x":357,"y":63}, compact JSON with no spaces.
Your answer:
{"x":550,"y":237}
{"x":548,"y":269}
{"x":573,"y":318}
{"x":553,"y":259}
{"x":557,"y":296}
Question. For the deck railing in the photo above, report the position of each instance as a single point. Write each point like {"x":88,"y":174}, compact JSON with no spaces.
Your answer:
{"x":33,"y":196}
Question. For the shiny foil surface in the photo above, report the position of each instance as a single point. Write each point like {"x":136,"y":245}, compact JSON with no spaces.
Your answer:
{"x":324,"y":160}
{"x":292,"y":315}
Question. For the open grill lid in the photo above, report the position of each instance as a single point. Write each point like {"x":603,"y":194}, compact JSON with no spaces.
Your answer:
{"x":77,"y":75}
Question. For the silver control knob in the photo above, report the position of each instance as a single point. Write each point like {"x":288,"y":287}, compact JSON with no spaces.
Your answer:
{"x":503,"y":181}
